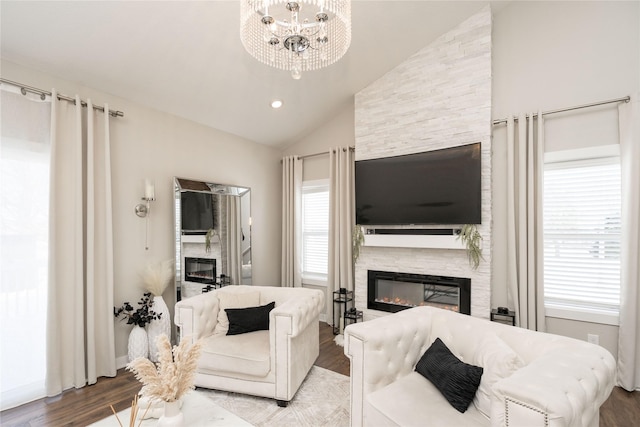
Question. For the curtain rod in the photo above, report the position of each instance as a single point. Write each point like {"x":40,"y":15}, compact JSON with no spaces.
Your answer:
{"x":43,"y":93}
{"x":577,"y":107}
{"x":324,"y":153}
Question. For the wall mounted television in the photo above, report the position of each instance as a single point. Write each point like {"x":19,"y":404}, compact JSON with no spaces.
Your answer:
{"x":429,"y":188}
{"x":197,"y":212}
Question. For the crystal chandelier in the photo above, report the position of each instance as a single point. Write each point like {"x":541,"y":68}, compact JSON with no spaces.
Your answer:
{"x":296,"y":36}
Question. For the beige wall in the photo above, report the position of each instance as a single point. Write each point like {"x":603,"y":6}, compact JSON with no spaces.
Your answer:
{"x":149,"y":144}
{"x":337,"y":132}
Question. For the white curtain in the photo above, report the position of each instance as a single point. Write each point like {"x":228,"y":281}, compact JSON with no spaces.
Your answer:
{"x":525,"y":161}
{"x":234,"y":237}
{"x":24,"y":213}
{"x":341,"y":219}
{"x":291,"y":221}
{"x":629,"y":333}
{"x":80,"y":326}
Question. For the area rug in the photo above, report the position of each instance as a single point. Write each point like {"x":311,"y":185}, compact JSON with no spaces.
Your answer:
{"x":322,"y":400}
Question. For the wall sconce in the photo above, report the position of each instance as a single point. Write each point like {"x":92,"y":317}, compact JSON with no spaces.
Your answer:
{"x":143,"y":209}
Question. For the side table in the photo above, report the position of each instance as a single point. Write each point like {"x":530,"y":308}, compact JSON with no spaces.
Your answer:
{"x":352,"y":316}
{"x":341,"y":300}
{"x":506,"y":318}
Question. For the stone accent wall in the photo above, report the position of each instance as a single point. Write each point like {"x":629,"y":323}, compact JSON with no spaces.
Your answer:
{"x":440,"y":97}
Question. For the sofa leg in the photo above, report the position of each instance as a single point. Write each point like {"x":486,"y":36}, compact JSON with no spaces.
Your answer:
{"x":282,"y":403}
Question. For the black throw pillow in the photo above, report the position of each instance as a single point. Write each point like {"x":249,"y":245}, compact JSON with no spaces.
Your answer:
{"x":250,"y":319}
{"x":456,"y":380}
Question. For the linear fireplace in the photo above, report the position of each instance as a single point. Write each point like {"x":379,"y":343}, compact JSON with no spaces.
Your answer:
{"x":392,"y":292}
{"x":200,"y":270}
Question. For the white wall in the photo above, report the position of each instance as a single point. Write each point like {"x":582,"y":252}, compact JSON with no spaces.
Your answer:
{"x":551,"y":55}
{"x":150,"y":144}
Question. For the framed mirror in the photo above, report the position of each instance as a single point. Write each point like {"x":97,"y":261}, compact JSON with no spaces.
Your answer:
{"x":213,"y":236}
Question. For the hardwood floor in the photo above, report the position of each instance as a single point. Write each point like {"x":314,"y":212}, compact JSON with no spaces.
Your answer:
{"x":90,"y":404}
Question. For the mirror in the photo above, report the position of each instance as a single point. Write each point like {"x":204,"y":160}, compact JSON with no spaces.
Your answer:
{"x":213,"y":236}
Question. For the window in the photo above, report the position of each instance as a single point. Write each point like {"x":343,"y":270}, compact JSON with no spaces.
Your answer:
{"x":24,"y":247}
{"x":315,"y":231}
{"x":582,"y":229}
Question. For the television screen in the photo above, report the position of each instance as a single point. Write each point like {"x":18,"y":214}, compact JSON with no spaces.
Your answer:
{"x":197,"y":212}
{"x":433,"y":187}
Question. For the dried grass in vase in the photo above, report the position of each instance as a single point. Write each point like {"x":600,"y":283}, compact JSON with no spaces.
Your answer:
{"x":133,"y":415}
{"x":173,"y":377}
{"x":156,"y":276}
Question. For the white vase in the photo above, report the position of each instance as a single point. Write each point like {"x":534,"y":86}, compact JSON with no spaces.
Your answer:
{"x":158,"y":326}
{"x":173,"y":416}
{"x":138,"y":343}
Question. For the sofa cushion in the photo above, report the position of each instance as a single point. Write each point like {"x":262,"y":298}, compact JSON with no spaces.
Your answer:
{"x":250,"y":319}
{"x":498,"y":361}
{"x":413,"y":401}
{"x":238,"y":354}
{"x":228,"y":299}
{"x":456,"y":380}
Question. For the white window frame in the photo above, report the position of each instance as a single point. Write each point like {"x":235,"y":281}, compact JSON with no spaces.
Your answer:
{"x":585,"y":314}
{"x":311,"y":186}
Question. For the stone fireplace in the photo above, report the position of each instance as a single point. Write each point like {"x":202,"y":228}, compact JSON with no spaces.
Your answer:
{"x":392,"y":292}
{"x":438,"y":98}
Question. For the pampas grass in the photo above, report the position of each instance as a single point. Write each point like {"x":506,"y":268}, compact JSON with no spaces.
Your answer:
{"x":173,"y":377}
{"x":156,"y":276}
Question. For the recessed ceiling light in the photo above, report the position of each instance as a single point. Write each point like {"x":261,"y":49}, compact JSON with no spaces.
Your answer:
{"x":276,"y":103}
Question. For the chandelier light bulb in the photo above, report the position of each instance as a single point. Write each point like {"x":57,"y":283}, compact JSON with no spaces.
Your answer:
{"x":296,"y":36}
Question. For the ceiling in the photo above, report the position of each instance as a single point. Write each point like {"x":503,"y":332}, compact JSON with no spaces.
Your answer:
{"x":186,"y":58}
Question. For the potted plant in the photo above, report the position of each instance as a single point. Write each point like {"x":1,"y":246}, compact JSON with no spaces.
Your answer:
{"x":471,"y":237}
{"x":139,"y":317}
{"x":358,"y":241}
{"x":207,"y":239}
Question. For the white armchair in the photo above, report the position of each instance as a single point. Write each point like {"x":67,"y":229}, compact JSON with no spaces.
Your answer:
{"x":530,"y":378}
{"x":269,"y":363}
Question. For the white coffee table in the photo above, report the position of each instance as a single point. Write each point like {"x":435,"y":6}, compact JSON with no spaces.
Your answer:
{"x":197,"y":408}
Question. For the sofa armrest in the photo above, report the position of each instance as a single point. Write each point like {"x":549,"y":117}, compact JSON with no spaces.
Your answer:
{"x":565,"y":387}
{"x":294,"y":340}
{"x":301,"y":311}
{"x":197,"y":316}
{"x":383,"y":350}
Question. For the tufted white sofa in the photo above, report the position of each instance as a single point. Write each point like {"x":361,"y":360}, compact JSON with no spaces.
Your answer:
{"x":558,"y":381}
{"x":269,"y":363}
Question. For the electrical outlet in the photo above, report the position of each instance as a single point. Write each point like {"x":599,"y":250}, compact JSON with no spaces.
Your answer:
{"x":593,"y":338}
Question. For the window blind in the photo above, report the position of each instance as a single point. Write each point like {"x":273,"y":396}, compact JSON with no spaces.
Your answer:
{"x":582,"y":230}
{"x":315,"y":230}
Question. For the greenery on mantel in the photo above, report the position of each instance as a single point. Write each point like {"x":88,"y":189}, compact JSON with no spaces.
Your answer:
{"x":358,"y":241}
{"x":471,"y":237}
{"x":207,"y":239}
{"x":468,"y":234}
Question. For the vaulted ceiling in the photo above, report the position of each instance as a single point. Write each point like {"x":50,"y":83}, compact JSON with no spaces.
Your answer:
{"x":186,"y":58}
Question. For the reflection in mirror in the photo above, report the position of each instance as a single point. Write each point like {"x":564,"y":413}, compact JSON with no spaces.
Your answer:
{"x":213,"y":236}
